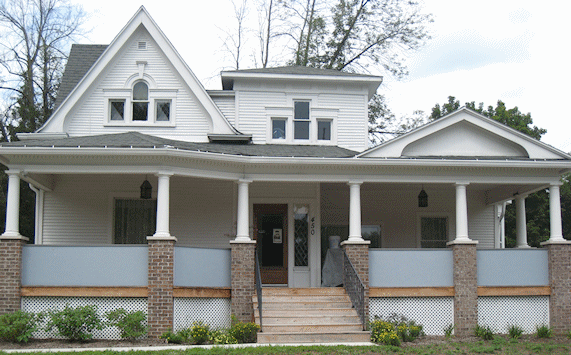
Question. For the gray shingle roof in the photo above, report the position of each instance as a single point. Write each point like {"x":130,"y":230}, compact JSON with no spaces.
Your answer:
{"x":81,"y":59}
{"x":139,"y":140}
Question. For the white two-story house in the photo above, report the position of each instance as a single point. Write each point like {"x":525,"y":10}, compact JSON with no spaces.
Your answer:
{"x":137,"y":152}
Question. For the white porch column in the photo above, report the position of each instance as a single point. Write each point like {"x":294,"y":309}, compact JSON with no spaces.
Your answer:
{"x":555,"y":214}
{"x":520,"y":224}
{"x":13,"y":207}
{"x":243,"y":212}
{"x":461,"y":214}
{"x":355,"y":211}
{"x":163,"y":213}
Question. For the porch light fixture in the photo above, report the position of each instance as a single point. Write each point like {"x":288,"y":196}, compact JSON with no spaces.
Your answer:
{"x":422,"y":198}
{"x":146,"y":189}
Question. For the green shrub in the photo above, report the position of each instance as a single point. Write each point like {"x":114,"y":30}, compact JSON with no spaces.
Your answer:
{"x":222,"y":337}
{"x":180,"y":337}
{"x":544,"y":331}
{"x":75,"y":324}
{"x":383,"y":332}
{"x":244,"y":332}
{"x":130,"y":324}
{"x":17,"y":327}
{"x":200,"y":333}
{"x":515,"y":332}
{"x":569,"y":334}
{"x":449,"y":330}
{"x":484,"y":332}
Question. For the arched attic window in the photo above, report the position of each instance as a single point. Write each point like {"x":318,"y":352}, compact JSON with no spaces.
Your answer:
{"x":140,"y":101}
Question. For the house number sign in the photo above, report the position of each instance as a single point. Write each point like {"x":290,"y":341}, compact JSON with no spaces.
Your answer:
{"x":312,"y":226}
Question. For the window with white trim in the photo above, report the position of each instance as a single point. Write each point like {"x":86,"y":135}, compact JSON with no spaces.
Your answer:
{"x":433,"y":232}
{"x":134,"y":220}
{"x":301,"y":124}
{"x":141,"y":104}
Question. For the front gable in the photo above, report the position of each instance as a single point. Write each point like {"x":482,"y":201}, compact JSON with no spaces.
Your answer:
{"x":465,"y":134}
{"x":176,"y":104}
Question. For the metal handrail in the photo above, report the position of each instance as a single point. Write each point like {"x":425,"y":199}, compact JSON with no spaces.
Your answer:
{"x":259,"y":287}
{"x":354,"y":288}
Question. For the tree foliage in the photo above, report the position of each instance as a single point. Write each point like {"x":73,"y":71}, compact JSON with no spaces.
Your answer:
{"x":36,"y":35}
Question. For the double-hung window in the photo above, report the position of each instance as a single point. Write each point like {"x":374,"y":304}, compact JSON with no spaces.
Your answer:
{"x":140,"y":101}
{"x":433,"y":232}
{"x":301,"y":122}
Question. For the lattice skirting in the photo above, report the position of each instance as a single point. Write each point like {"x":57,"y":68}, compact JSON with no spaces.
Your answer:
{"x":212,"y":311}
{"x":526,"y":312}
{"x":433,"y":313}
{"x":103,"y":304}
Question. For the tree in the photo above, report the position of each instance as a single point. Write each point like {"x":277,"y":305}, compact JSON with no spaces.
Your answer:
{"x":36,"y":38}
{"x":234,"y":42}
{"x":36,"y":35}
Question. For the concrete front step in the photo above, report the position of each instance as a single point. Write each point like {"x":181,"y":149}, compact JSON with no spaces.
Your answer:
{"x":311,"y":337}
{"x":314,"y":328}
{"x":298,"y":298}
{"x":303,"y":291}
{"x":294,"y":320}
{"x":305,"y":312}
{"x":306,"y":304}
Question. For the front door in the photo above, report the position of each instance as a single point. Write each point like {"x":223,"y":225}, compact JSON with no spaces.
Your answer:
{"x":270,"y":230}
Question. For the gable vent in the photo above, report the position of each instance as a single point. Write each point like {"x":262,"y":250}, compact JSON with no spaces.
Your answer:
{"x":142,"y":45}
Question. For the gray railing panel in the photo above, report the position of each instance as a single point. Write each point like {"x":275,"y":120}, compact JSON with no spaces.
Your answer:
{"x":513,"y":267}
{"x":114,"y":265}
{"x":201,"y":267}
{"x":410,"y":268}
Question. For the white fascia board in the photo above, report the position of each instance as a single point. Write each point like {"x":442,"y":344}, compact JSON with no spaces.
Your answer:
{"x":564,"y":165}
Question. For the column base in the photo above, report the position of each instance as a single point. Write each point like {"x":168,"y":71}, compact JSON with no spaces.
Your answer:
{"x":243,"y":266}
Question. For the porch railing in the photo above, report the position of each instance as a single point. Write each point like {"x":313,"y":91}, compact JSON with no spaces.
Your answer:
{"x":259,"y":288}
{"x":354,"y":287}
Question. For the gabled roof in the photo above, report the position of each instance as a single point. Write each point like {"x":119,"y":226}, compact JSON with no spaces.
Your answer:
{"x":298,"y":72}
{"x":138,"y":140}
{"x":465,"y":134}
{"x":141,"y":18}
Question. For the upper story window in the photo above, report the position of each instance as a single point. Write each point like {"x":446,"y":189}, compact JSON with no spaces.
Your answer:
{"x":140,"y":101}
{"x":140,"y":104}
{"x":303,"y":125}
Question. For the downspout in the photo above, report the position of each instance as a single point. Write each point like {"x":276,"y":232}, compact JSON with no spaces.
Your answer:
{"x":39,"y":215}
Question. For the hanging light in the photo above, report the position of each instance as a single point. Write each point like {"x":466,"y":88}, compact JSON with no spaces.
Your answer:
{"x":422,"y":198}
{"x":146,"y":189}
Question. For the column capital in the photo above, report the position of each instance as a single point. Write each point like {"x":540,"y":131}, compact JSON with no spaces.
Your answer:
{"x":244,"y":181}
{"x":461,"y":183}
{"x":354,"y":182}
{"x":164,"y":173}
{"x":13,"y":172}
{"x":558,"y":183}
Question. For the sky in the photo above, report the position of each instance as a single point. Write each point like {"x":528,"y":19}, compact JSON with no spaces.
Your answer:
{"x":483,"y":51}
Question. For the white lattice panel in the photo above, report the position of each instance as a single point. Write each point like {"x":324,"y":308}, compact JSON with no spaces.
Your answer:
{"x":212,"y":311}
{"x":103,"y":304}
{"x":433,"y":313}
{"x":526,"y":312}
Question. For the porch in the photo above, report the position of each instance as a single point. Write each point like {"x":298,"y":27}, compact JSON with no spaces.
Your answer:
{"x":172,"y":273}
{"x":513,"y":286}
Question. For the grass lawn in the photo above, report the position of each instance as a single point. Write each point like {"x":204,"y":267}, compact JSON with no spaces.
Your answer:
{"x":500,"y":345}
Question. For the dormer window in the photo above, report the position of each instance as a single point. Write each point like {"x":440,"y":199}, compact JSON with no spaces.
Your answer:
{"x":301,"y":120}
{"x":140,"y":101}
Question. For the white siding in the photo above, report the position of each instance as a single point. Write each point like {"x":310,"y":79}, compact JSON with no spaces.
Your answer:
{"x":80,"y":209}
{"x":255,"y":101}
{"x":396,"y":208}
{"x":89,"y":116}
{"x":227,"y":105}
